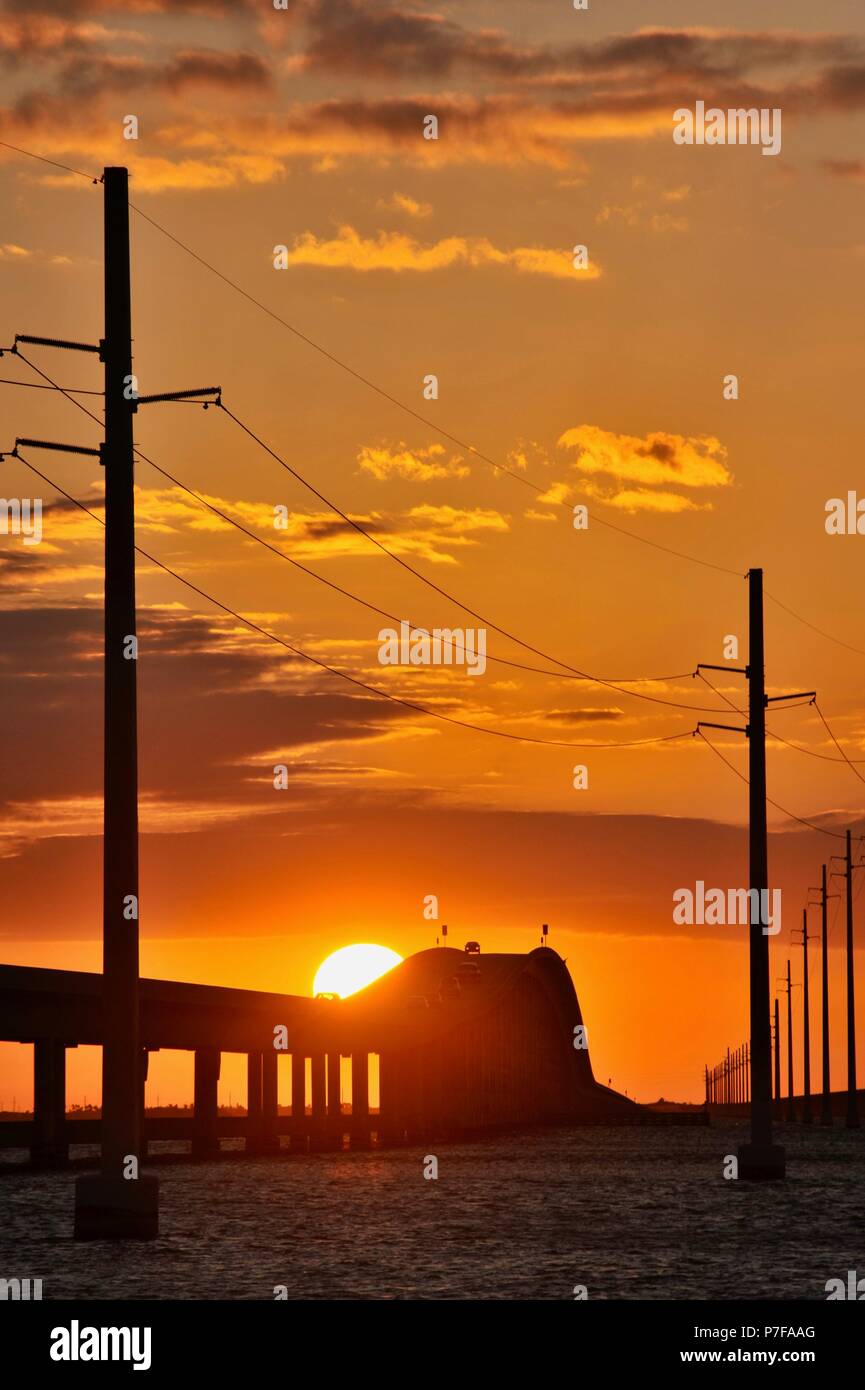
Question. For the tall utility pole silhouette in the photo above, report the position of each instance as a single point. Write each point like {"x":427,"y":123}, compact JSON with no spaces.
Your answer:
{"x":806,"y":1025}
{"x":119,"y":1201}
{"x":761,"y":1158}
{"x":761,"y":1151}
{"x":852,"y":1099}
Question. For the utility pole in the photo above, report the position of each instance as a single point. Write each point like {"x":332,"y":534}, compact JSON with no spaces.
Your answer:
{"x":119,"y":1201}
{"x":826,"y":1102}
{"x":791,"y":1108}
{"x":761,"y":1158}
{"x":852,"y":1121}
{"x":807,"y":1117}
{"x":777,"y":1059}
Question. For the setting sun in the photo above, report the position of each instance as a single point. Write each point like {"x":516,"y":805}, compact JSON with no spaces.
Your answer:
{"x":352,"y":968}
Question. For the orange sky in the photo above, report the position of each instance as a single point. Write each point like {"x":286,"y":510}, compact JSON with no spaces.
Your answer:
{"x":407,"y":257}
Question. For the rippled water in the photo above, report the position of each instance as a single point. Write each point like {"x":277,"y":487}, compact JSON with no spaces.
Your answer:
{"x":629,"y":1212}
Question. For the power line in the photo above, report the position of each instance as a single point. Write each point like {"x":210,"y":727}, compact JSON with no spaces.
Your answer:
{"x":37,"y":386}
{"x":810,"y":825}
{"x":797,"y":747}
{"x":409,"y":410}
{"x":56,"y":163}
{"x":461,"y":443}
{"x":584,"y":675}
{"x":819,"y":630}
{"x":837,"y":744}
{"x":332,"y":670}
{"x":811,"y":752}
{"x":575,"y":672}
{"x":365,"y":603}
{"x":424,"y":420}
{"x":719,"y":693}
{"x":429,"y":424}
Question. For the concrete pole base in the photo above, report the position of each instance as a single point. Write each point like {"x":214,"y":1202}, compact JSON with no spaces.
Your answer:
{"x":110,"y":1208}
{"x":761,"y":1162}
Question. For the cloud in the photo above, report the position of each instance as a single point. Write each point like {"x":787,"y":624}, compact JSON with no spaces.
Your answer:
{"x":642,"y":470}
{"x":48,"y":36}
{"x":209,"y":8}
{"x":154,"y":175}
{"x":583,"y":716}
{"x":853,"y":169}
{"x":428,"y":532}
{"x":401,"y":202}
{"x":419,"y":465}
{"x":460,"y":521}
{"x":21,"y":255}
{"x":499,"y":129}
{"x":634,"y":500}
{"x":397,"y":251}
{"x":381,"y":39}
{"x":22,"y":823}
{"x":658,"y":458}
{"x":85,"y":78}
{"x":550,"y":97}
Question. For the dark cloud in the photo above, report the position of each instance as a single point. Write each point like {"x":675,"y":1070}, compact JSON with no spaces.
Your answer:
{"x":853,"y":169}
{"x":386,"y":40}
{"x":841,"y":88}
{"x":583,"y":716}
{"x":124,"y":8}
{"x":213,"y":703}
{"x":390,"y":41}
{"x":94,"y":76}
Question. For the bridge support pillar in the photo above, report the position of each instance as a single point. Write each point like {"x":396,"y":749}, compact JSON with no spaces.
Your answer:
{"x":143,"y":1070}
{"x":299,"y":1132}
{"x":360,"y":1121}
{"x":269,"y":1101}
{"x":205,"y":1139}
{"x":49,"y":1147}
{"x":319,"y":1098}
{"x":334,"y":1105}
{"x":253,"y":1102}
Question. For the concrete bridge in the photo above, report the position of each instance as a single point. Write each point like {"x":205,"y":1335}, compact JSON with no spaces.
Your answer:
{"x":467,"y":1044}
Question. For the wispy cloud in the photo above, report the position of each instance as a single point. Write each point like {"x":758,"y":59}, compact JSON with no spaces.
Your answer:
{"x":402,"y":202}
{"x":397,"y":252}
{"x":419,"y":465}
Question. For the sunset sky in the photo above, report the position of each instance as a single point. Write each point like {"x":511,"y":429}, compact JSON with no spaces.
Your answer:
{"x":407,"y":257}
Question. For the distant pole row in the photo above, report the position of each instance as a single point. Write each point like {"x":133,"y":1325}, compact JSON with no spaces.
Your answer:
{"x":729,"y":1083}
{"x":724,"y":1083}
